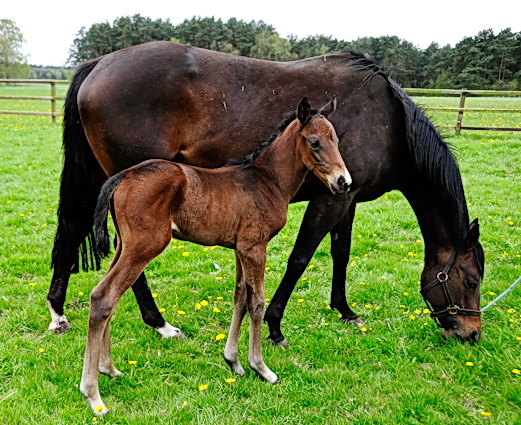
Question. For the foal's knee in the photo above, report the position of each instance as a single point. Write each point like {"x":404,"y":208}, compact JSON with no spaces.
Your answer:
{"x":100,"y":308}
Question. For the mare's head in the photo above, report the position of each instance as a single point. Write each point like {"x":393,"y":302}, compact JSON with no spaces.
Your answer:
{"x":319,"y":147}
{"x":450,"y":286}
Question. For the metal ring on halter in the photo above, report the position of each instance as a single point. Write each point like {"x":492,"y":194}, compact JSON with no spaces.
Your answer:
{"x":442,"y":277}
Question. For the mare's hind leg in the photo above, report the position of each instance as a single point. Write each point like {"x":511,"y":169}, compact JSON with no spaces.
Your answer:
{"x":322,"y":213}
{"x":340,"y":248}
{"x":149,"y":311}
{"x":231,"y":351}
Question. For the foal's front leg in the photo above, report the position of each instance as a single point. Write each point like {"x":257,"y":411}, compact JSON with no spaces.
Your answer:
{"x":253,"y":264}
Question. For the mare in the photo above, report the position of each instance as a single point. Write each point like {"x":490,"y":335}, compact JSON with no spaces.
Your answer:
{"x":169,"y":101}
{"x":240,"y":207}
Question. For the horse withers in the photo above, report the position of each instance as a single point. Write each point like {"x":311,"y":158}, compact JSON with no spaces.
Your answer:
{"x":240,"y":207}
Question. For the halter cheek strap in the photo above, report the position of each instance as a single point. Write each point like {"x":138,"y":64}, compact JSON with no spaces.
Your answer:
{"x":451,"y":309}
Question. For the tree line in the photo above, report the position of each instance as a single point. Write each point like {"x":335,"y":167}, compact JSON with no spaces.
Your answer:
{"x":484,"y":61}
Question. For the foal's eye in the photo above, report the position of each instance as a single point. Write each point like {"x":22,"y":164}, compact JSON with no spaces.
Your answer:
{"x":471,"y":284}
{"x":314,"y":143}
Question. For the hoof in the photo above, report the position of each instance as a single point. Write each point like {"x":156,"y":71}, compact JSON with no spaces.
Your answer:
{"x":357,"y":321}
{"x":168,"y":331}
{"x":60,"y":327}
{"x":279,"y":342}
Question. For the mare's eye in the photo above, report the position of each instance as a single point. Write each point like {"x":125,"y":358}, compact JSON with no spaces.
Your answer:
{"x":314,"y":143}
{"x":471,"y":284}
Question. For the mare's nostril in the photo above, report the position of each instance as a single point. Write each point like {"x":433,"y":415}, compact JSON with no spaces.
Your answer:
{"x":474,"y":336}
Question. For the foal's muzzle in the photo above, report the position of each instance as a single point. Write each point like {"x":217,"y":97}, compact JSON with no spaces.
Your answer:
{"x":341,"y":184}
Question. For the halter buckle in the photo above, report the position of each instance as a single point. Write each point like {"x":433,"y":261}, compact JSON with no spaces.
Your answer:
{"x":442,"y":277}
{"x":452,"y":309}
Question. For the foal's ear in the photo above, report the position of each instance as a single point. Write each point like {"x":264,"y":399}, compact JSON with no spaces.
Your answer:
{"x":329,"y":108}
{"x":304,"y":111}
{"x":472,"y":237}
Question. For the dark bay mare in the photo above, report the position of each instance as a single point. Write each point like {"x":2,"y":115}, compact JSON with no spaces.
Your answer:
{"x":169,"y":101}
{"x":240,"y":207}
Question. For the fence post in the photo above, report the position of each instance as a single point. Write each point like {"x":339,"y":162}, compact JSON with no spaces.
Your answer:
{"x":53,"y":101}
{"x":462,"y":97}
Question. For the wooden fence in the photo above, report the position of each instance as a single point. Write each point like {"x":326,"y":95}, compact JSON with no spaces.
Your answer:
{"x":52,"y":98}
{"x":463,"y":94}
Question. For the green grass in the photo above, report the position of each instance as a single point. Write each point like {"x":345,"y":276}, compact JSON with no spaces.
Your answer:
{"x":399,"y":371}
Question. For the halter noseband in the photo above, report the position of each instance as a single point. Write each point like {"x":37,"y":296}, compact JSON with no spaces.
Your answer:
{"x":451,"y":309}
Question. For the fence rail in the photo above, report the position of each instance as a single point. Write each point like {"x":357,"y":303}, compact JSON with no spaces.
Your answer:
{"x":463,"y":94}
{"x":52,"y":98}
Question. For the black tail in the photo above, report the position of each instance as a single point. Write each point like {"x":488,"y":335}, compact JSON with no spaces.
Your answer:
{"x":81,"y":180}
{"x":102,"y":245}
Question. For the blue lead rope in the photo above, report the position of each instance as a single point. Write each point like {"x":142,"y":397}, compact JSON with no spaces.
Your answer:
{"x":503,"y":295}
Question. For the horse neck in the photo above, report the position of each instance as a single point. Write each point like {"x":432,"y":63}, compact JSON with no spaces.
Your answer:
{"x":282,"y":161}
{"x":443,"y":220}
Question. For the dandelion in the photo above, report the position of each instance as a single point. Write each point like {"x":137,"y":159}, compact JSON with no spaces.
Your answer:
{"x":412,"y":317}
{"x":311,"y":266}
{"x":219,"y":298}
{"x":364,"y":329}
{"x":32,"y":283}
{"x":300,"y":300}
{"x":132,"y":362}
{"x":230,"y":380}
{"x":185,"y":403}
{"x":154,"y":295}
{"x":518,"y":338}
{"x":204,"y":303}
{"x":516,"y":371}
{"x":325,"y":324}
{"x":185,"y":254}
{"x":417,"y":311}
{"x":219,"y":337}
{"x":406,"y":294}
{"x":203,"y":387}
{"x":219,"y":278}
{"x":486,"y":414}
{"x":361,"y":283}
{"x":511,"y":310}
{"x":41,"y":350}
{"x":491,"y":293}
{"x":180,"y":312}
{"x":469,"y":364}
{"x":216,"y":310}
{"x":98,"y":409}
{"x":162,"y":310}
{"x":198,"y":306}
{"x":267,"y":268}
{"x":80,"y":293}
{"x":426,"y":311}
{"x":339,"y":315}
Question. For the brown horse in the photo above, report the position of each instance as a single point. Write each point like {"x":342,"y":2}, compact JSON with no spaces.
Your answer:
{"x":169,"y":101}
{"x":239,"y":207}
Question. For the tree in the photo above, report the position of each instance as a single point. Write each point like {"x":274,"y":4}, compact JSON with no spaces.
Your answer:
{"x":272,"y":47}
{"x":13,"y":64}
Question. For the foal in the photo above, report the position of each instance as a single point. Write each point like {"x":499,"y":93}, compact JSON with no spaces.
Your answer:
{"x":240,"y":207}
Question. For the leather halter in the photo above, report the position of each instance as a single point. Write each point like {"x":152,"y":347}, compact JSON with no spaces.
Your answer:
{"x":451,"y":309}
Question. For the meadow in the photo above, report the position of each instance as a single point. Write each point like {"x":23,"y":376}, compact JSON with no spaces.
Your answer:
{"x":396,"y":370}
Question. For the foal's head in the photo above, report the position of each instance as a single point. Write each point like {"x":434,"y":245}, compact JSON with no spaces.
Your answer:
{"x":319,"y":147}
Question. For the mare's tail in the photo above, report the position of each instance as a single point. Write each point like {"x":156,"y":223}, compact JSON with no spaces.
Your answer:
{"x":81,"y":180}
{"x":102,"y":245}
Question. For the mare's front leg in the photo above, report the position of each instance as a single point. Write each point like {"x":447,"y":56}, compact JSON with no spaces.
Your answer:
{"x":149,"y":311}
{"x":340,"y":249}
{"x":231,"y":351}
{"x":253,"y":265}
{"x":322,"y":213}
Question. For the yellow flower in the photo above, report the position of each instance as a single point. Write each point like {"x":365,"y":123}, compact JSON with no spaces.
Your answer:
{"x":98,"y":409}
{"x":204,"y":303}
{"x":203,"y":387}
{"x":219,"y":298}
{"x":154,"y":295}
{"x":516,"y":371}
{"x":198,"y":306}
{"x":219,"y":337}
{"x":132,"y":361}
{"x":300,"y":300}
{"x":230,"y":380}
{"x":311,"y":266}
{"x":325,"y":324}
{"x":185,"y":254}
{"x":469,"y":364}
{"x":417,"y":311}
{"x":426,"y":311}
{"x":41,"y":350}
{"x":32,"y":284}
{"x":486,"y":414}
{"x":412,"y":316}
{"x":162,"y":310}
{"x":219,"y":278}
{"x":364,"y":329}
{"x":216,"y":310}
{"x":406,"y":294}
{"x":80,"y":293}
{"x":511,"y":310}
{"x":339,"y":315}
{"x":181,"y":312}
{"x":518,"y":338}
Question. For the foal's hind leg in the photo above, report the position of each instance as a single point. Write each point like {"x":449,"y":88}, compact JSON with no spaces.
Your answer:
{"x":340,"y":248}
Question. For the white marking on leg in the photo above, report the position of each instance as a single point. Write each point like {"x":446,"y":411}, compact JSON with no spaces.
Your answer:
{"x":169,"y":331}
{"x":58,"y":323}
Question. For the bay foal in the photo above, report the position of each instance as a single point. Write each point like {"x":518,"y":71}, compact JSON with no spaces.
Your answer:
{"x":240,"y":207}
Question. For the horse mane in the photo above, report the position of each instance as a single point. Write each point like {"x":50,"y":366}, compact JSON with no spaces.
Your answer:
{"x":248,"y":159}
{"x":433,"y":157}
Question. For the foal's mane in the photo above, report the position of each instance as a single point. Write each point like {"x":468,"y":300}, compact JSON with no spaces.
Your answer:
{"x":248,"y":159}
{"x":432,"y":156}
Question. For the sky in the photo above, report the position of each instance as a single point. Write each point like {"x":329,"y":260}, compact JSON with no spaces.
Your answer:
{"x":49,"y":27}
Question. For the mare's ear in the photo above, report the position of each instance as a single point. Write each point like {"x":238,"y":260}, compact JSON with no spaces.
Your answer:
{"x":329,"y":108}
{"x":472,"y":237}
{"x":304,"y":111}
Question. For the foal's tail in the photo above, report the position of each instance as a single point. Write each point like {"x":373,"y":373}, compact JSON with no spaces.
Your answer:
{"x":81,"y":180}
{"x":102,"y":245}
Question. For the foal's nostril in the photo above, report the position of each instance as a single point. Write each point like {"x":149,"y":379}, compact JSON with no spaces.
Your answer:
{"x":342,"y":184}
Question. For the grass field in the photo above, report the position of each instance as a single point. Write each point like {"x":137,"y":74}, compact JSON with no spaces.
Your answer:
{"x":398,"y":370}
